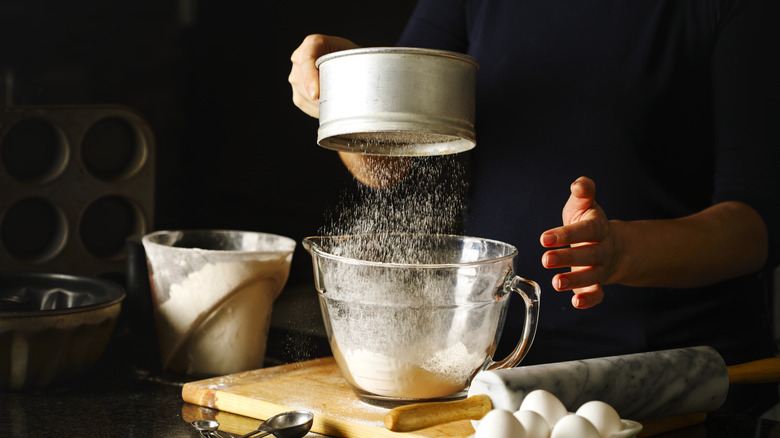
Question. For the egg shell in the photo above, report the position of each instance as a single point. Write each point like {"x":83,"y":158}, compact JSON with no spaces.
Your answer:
{"x":603,"y":416}
{"x":545,"y":404}
{"x":574,"y":426}
{"x":500,"y":423}
{"x":534,"y":424}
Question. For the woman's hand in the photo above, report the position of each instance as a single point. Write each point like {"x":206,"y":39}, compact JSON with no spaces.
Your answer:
{"x":594,"y":249}
{"x":377,"y":172}
{"x":305,"y":77}
{"x":687,"y":252}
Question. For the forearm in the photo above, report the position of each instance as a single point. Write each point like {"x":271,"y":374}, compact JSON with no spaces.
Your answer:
{"x":724,"y":241}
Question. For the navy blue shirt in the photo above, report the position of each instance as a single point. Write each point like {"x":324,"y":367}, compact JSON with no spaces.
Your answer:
{"x":669,"y":105}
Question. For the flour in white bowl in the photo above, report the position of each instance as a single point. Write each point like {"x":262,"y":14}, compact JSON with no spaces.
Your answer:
{"x":218,"y":317}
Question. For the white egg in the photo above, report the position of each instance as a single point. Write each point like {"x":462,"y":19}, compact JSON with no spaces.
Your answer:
{"x":603,"y":416}
{"x":544,"y":404}
{"x":534,"y":424}
{"x":499,"y":423}
{"x":574,"y":426}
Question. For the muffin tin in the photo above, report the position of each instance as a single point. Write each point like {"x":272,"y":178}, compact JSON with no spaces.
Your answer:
{"x":75,"y":182}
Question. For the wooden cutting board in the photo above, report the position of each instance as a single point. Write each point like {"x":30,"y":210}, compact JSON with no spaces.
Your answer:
{"x":316,"y":386}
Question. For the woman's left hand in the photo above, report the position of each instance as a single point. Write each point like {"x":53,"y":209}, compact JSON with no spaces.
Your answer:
{"x":593,"y":252}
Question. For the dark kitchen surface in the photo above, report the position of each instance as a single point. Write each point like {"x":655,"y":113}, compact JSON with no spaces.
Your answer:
{"x":126,"y":395}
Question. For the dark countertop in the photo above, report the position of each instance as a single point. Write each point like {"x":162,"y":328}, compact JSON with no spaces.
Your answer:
{"x":126,"y":395}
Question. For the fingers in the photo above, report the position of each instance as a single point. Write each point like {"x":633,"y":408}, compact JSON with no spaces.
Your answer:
{"x":587,"y":297}
{"x":586,"y":261}
{"x":584,"y":280}
{"x":587,"y":292}
{"x":585,"y":226}
{"x":578,"y":278}
{"x":305,"y":56}
{"x":581,"y":255}
{"x":304,"y":103}
{"x":304,"y":76}
{"x":592,"y":227}
{"x":584,"y":220}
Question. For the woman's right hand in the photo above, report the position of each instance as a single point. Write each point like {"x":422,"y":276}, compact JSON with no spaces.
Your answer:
{"x":305,"y":77}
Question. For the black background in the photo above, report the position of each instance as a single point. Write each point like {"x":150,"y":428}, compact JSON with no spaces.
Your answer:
{"x":232,"y":150}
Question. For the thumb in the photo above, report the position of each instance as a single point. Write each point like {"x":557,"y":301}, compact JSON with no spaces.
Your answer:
{"x":582,"y":198}
{"x":311,"y":81}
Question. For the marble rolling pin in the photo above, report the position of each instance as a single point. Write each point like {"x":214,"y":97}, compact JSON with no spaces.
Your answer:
{"x":639,"y":386}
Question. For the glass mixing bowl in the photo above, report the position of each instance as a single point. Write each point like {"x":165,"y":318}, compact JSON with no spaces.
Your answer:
{"x":415,"y":316}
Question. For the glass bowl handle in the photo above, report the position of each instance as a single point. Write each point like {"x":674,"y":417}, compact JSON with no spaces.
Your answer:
{"x":531,"y":295}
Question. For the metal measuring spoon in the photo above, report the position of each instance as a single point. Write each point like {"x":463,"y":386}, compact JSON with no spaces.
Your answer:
{"x":208,"y":426}
{"x":292,"y":424}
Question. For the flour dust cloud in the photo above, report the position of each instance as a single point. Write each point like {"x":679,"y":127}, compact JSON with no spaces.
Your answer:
{"x":380,"y":318}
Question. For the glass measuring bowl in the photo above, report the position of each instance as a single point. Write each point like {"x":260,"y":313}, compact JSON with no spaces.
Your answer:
{"x":415,"y":316}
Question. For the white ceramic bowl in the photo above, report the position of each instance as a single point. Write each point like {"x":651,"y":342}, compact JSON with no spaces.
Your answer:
{"x":212,"y":294}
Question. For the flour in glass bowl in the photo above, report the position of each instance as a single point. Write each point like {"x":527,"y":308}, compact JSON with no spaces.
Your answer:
{"x":430,"y":200}
{"x":444,"y":373}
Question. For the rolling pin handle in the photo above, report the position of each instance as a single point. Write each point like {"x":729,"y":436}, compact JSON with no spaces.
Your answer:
{"x":419,"y":416}
{"x":758,"y":371}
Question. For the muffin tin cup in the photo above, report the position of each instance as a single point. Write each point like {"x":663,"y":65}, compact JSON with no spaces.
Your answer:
{"x":75,"y":182}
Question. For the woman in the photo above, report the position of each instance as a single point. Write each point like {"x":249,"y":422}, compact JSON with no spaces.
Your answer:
{"x":673,"y":107}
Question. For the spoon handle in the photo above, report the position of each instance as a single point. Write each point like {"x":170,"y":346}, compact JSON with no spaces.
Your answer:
{"x":254,"y":432}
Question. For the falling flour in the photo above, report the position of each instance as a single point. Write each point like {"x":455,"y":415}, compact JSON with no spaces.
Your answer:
{"x":384,"y":355}
{"x":431,"y":199}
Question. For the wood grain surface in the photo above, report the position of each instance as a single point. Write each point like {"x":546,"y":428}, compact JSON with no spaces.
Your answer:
{"x":316,"y":386}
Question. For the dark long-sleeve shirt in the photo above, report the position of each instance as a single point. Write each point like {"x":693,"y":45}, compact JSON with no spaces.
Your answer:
{"x":669,"y":105}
